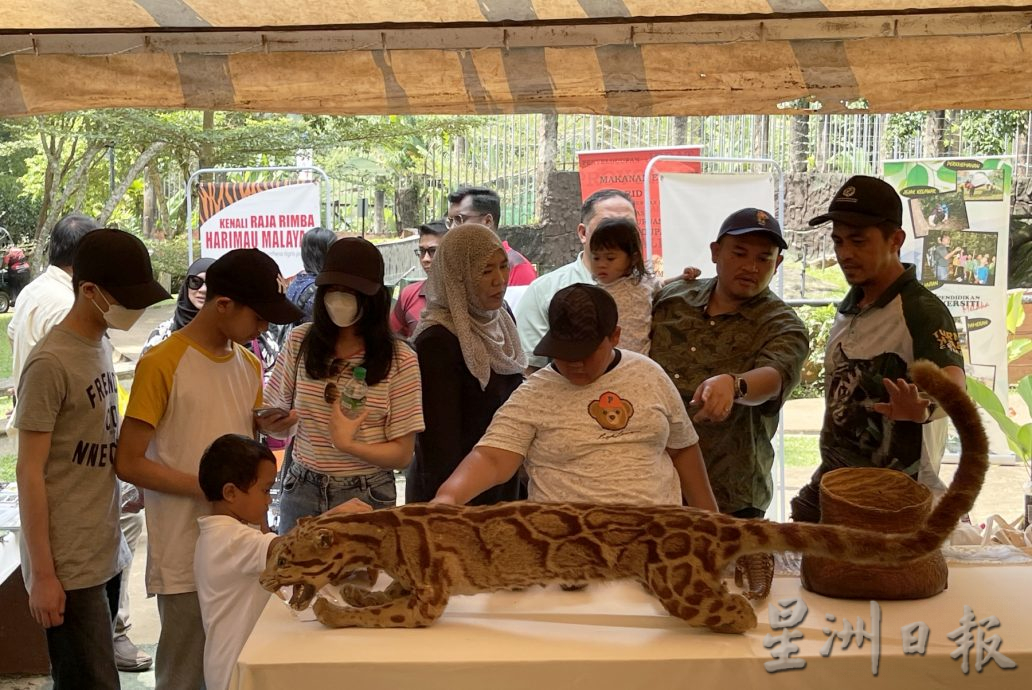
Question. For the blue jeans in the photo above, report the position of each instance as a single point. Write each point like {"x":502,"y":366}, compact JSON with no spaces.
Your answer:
{"x":82,"y":654}
{"x":307,"y":493}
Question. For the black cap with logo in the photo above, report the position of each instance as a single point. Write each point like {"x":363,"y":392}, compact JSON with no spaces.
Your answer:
{"x":864,"y":201}
{"x":353,"y":262}
{"x":579,"y":318}
{"x":753,"y":220}
{"x":119,"y":263}
{"x":252,"y":278}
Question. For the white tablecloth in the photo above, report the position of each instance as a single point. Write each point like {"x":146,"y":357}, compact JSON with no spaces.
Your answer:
{"x":614,"y":635}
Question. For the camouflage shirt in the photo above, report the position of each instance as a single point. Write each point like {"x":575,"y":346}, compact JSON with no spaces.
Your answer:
{"x":692,"y":347}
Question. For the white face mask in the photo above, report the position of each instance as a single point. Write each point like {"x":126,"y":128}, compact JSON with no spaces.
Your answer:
{"x":117,"y":316}
{"x":342,"y":308}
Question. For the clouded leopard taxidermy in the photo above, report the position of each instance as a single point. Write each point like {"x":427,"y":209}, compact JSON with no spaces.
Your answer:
{"x":677,"y":554}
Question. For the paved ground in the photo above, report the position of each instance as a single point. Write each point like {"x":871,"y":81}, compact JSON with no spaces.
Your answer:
{"x":1002,"y":494}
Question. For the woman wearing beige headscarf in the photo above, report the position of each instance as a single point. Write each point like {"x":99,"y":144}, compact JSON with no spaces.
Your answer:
{"x":470,"y":358}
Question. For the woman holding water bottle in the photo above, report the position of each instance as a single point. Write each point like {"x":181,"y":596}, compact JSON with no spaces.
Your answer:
{"x":470,"y":356}
{"x":356,"y":389}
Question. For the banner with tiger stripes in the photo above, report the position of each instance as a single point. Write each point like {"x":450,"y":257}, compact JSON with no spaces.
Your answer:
{"x":271,"y":216}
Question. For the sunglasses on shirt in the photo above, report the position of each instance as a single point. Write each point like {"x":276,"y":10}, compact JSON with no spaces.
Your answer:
{"x":331,"y":393}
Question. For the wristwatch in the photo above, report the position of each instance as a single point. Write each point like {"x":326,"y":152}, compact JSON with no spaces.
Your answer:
{"x":741,"y":387}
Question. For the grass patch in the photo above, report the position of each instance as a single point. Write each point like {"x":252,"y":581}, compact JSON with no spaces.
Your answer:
{"x":5,"y":346}
{"x":802,"y":450}
{"x":7,"y":463}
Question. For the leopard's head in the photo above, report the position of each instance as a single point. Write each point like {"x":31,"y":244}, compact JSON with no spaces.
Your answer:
{"x":317,"y":552}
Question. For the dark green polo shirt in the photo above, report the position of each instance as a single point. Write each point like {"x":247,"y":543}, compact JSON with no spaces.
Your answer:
{"x":692,"y":347}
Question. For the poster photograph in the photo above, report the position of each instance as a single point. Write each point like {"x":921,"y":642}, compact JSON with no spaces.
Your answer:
{"x":957,"y":235}
{"x":941,"y":211}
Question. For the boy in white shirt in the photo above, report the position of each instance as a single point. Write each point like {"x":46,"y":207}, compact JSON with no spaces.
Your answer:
{"x":236,"y":474}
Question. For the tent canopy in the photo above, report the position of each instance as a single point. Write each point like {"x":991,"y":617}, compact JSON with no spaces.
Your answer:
{"x":628,"y":57}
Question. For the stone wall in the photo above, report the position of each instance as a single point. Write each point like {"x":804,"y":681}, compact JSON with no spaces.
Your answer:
{"x":553,"y":242}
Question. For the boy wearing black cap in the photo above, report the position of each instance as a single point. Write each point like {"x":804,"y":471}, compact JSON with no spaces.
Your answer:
{"x":622,"y":435}
{"x":73,"y":551}
{"x":874,"y":417}
{"x":735,"y":350}
{"x":195,"y":386}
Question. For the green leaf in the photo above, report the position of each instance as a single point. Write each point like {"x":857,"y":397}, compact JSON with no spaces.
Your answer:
{"x":946,"y":175}
{"x":1018,"y":348}
{"x":1025,"y":391}
{"x":987,"y":400}
{"x":918,"y":176}
{"x":990,"y":163}
{"x":1024,"y":441}
{"x":1015,"y":311}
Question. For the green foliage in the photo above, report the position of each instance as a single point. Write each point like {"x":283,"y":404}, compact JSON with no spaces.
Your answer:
{"x":8,"y":465}
{"x":170,"y":256}
{"x":990,"y":131}
{"x":1019,"y":436}
{"x":904,"y":126}
{"x":818,"y":322}
{"x":5,"y":346}
{"x":1016,"y":347}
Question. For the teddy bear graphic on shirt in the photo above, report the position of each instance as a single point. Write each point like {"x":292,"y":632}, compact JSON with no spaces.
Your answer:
{"x":611,"y":411}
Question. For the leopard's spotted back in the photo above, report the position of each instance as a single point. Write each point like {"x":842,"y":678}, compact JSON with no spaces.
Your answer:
{"x":433,"y":551}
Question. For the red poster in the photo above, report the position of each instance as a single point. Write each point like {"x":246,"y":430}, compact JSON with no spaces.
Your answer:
{"x":624,"y":169}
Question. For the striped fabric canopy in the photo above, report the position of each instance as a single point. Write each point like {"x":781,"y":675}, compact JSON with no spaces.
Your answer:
{"x":629,"y":57}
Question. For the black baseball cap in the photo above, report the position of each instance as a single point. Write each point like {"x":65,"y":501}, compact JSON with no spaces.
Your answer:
{"x":252,"y":278}
{"x":353,"y":262}
{"x":579,"y":318}
{"x":750,"y":220}
{"x":864,"y":201}
{"x":119,"y":263}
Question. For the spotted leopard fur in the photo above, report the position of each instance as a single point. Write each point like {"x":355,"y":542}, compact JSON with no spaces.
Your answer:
{"x":677,"y":554}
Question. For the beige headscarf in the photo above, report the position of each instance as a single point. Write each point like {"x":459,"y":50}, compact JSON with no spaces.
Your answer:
{"x":487,"y":337}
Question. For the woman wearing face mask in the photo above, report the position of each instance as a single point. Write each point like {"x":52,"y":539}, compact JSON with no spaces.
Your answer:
{"x":190,"y":300}
{"x":337,"y":458}
{"x":470,"y":356}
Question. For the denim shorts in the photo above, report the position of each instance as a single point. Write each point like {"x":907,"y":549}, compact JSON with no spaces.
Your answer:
{"x":307,"y":493}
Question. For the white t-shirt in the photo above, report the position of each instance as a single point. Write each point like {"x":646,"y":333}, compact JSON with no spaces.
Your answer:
{"x":634,"y":308}
{"x":229,"y":558}
{"x":601,"y":443}
{"x":41,"y":306}
{"x":190,"y":397}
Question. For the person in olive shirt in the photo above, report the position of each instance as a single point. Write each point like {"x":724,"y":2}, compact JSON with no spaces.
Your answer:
{"x":735,"y":351}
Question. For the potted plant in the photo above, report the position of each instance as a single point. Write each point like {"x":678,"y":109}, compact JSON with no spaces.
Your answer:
{"x":1019,"y":436}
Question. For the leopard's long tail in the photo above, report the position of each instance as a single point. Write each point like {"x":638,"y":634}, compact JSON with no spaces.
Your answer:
{"x":865,"y":546}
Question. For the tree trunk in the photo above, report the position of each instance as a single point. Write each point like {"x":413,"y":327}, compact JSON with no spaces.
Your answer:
{"x":205,"y":153}
{"x":134,"y":171}
{"x":149,"y":219}
{"x":548,"y":148}
{"x":799,"y":146}
{"x":379,"y":221}
{"x":932,"y":145}
{"x":761,"y":143}
{"x":681,"y":130}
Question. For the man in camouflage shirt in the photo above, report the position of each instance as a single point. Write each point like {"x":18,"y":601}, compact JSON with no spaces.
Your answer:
{"x":734,"y":350}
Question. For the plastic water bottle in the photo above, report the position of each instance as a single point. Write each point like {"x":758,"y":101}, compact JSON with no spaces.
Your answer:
{"x":353,"y":395}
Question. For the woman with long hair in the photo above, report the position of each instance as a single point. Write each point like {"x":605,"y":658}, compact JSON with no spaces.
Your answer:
{"x":470,"y":356}
{"x":338,"y":457}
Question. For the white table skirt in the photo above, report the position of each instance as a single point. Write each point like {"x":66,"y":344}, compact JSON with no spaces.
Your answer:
{"x":614,"y":635}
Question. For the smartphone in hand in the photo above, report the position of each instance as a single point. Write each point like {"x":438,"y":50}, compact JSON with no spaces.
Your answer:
{"x":270,"y":413}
